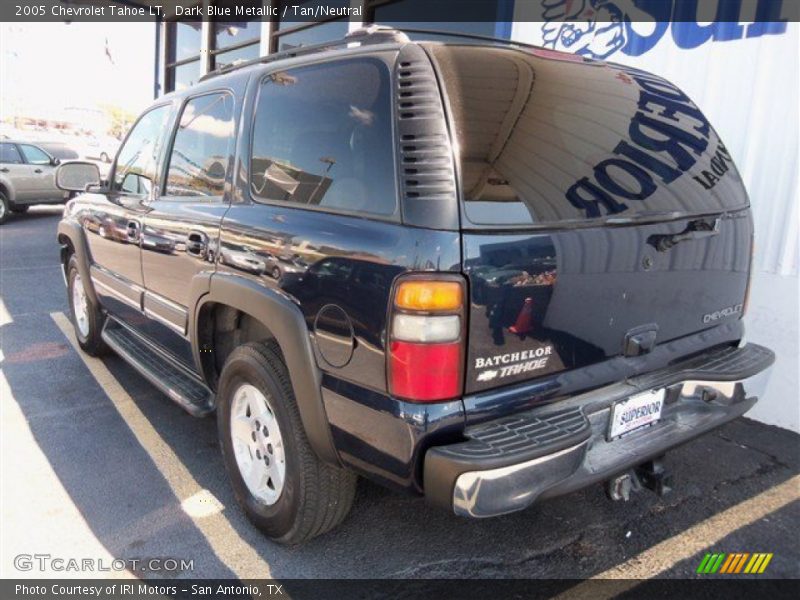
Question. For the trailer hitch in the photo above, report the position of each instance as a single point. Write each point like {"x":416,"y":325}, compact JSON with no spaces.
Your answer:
{"x":654,"y":476}
{"x":651,"y":475}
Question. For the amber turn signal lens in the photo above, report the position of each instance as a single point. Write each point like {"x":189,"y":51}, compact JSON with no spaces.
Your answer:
{"x":429,"y":295}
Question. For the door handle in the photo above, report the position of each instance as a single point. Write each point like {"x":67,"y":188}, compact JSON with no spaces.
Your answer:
{"x":4,"y":170}
{"x":37,"y":170}
{"x":133,"y":231}
{"x":695,"y":230}
{"x":196,"y":243}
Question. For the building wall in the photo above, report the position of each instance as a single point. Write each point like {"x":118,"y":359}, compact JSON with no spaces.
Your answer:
{"x":748,"y":88}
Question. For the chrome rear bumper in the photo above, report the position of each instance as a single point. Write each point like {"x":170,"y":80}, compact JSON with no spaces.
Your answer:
{"x":507,"y":465}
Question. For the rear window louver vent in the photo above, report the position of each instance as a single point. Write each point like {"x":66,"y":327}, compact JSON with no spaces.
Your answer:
{"x":424,"y":149}
{"x":417,"y":92}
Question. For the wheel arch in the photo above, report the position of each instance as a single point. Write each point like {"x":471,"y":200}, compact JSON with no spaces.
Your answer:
{"x":285,"y":323}
{"x":7,"y":190}
{"x":72,"y":240}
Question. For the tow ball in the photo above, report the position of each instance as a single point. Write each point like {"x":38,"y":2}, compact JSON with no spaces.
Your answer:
{"x":651,"y":475}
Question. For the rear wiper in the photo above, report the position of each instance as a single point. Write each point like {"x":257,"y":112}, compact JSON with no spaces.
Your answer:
{"x":695,"y":230}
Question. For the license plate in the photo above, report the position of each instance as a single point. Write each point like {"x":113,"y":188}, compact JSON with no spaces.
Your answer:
{"x":635,"y":412}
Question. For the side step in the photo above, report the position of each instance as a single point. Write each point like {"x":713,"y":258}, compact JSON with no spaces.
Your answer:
{"x":159,"y":369}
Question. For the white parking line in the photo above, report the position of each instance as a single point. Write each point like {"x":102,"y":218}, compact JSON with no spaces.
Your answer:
{"x":5,"y":316}
{"x":201,"y":505}
{"x":664,"y":555}
{"x":198,"y":503}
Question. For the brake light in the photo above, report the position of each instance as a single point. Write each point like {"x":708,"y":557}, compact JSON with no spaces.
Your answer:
{"x":425,"y":372}
{"x":426,"y":346}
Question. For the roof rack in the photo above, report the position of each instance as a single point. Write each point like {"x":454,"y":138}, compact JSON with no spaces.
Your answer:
{"x":472,"y":36}
{"x":372,"y":34}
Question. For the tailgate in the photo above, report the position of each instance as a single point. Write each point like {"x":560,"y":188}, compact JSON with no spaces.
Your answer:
{"x":542,"y":303}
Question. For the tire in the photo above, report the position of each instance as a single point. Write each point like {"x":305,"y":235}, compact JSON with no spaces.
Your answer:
{"x":87,"y":330}
{"x":5,"y":208}
{"x":276,"y":273}
{"x":313,"y":497}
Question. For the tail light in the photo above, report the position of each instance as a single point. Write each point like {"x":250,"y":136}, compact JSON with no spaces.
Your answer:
{"x":426,"y":338}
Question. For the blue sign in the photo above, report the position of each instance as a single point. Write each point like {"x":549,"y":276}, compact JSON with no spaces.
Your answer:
{"x":599,"y":28}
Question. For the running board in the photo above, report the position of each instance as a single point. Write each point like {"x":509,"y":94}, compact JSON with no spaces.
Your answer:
{"x":159,"y":368}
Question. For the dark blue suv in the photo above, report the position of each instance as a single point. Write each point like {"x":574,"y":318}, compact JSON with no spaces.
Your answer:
{"x":476,"y":271}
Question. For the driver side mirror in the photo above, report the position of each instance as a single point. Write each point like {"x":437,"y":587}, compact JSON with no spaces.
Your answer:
{"x":76,"y":176}
{"x":55,"y":161}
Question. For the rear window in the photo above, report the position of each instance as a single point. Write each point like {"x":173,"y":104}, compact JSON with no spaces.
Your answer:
{"x":323,"y":138}
{"x":546,"y":137}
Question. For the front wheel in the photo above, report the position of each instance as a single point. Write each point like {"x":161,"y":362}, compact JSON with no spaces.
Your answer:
{"x":284,"y":489}
{"x":86,"y":317}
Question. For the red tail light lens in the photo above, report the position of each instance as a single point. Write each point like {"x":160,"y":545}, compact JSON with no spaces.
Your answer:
{"x":425,"y":372}
{"x":426,"y":328}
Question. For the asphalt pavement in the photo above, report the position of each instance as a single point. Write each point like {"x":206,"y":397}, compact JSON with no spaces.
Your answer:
{"x":96,"y":463}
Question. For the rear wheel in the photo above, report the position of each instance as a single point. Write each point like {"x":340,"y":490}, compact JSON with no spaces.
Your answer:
{"x":86,"y":317}
{"x":284,"y":489}
{"x":5,"y":208}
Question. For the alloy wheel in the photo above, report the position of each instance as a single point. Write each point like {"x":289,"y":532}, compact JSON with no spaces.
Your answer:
{"x":257,"y":444}
{"x":80,"y":306}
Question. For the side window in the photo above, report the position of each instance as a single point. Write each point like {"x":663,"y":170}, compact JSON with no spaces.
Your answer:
{"x":203,"y":142}
{"x":323,"y":138}
{"x":9,"y":154}
{"x":138,"y":158}
{"x":34,"y":155}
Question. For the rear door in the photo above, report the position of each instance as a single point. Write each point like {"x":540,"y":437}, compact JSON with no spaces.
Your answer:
{"x":181,"y":229}
{"x":601,"y":213}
